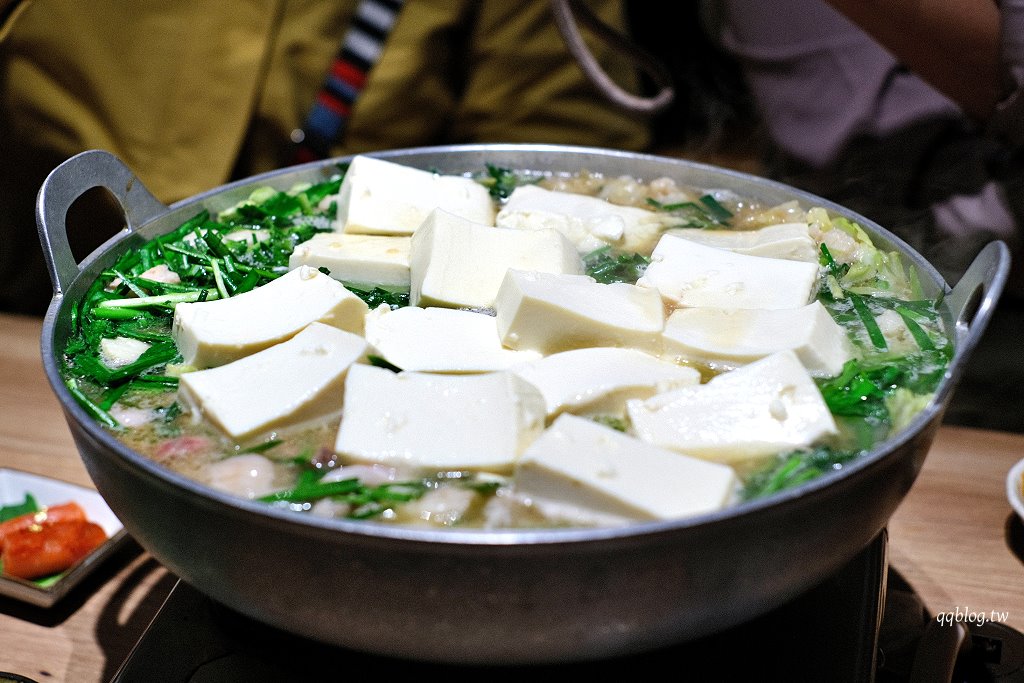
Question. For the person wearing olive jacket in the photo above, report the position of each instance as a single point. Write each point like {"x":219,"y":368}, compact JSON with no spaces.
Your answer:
{"x":192,"y":95}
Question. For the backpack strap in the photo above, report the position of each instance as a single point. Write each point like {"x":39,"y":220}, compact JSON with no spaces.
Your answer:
{"x":360,"y":49}
{"x":566,"y":14}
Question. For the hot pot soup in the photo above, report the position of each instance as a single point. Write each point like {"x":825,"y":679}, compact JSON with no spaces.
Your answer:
{"x":506,"y":348}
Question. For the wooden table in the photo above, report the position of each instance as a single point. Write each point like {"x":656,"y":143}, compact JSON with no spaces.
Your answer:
{"x":954,"y":539}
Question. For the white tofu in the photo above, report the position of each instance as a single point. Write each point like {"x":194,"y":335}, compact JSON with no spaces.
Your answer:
{"x":358,"y":259}
{"x":287,"y":384}
{"x":434,"y":422}
{"x":381,"y":197}
{"x":552,"y":313}
{"x":767,"y":407}
{"x":691,"y":274}
{"x":440,"y":340}
{"x":790,"y":241}
{"x":577,"y":462}
{"x":599,"y":381}
{"x":725,"y":338}
{"x":460,"y":264}
{"x":116,"y":352}
{"x":213,"y":333}
{"x":588,"y":222}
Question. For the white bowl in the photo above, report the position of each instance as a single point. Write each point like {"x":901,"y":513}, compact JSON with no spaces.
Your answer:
{"x":14,"y":484}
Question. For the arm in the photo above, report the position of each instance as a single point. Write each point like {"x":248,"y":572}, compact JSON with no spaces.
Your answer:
{"x":954,"y":46}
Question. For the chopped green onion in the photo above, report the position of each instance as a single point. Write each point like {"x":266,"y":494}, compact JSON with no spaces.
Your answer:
{"x":315,"y":491}
{"x":219,"y":279}
{"x":870,"y":324}
{"x":608,"y":267}
{"x":717,"y":211}
{"x":263,"y":447}
{"x":135,"y":289}
{"x":381,"y":362}
{"x":157,"y":300}
{"x":97,"y":413}
{"x":924,"y":342}
{"x":109,"y":313}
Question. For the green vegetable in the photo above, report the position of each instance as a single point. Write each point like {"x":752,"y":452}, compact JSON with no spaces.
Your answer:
{"x":17,"y":510}
{"x":379,"y":295}
{"x":264,"y":447}
{"x":868,"y":319}
{"x":500,"y":182}
{"x":864,"y":386}
{"x":706,"y":213}
{"x":847,"y":306}
{"x":90,"y":406}
{"x":310,"y":491}
{"x":369,"y":501}
{"x":607,"y":266}
{"x":875,"y":273}
{"x":365,"y":501}
{"x":158,"y":300}
{"x":613,"y":421}
{"x":157,"y":355}
{"x":381,"y":362}
{"x":921,"y":337}
{"x":794,"y":468}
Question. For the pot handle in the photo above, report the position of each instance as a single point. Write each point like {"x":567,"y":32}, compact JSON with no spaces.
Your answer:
{"x":68,"y":182}
{"x":973,"y":300}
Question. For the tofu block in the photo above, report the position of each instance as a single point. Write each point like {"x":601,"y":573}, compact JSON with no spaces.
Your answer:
{"x":434,"y":422}
{"x":767,"y":407}
{"x":212,"y":333}
{"x":440,"y":340}
{"x":551,"y":313}
{"x":577,"y":462}
{"x":379,"y":197}
{"x":599,"y":380}
{"x":726,"y":338}
{"x":588,"y":222}
{"x":359,"y":259}
{"x":460,"y":264}
{"x":284,"y":385}
{"x":691,"y":274}
{"x":791,"y":241}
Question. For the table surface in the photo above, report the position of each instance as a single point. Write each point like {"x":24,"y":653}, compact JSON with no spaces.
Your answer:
{"x":954,"y":539}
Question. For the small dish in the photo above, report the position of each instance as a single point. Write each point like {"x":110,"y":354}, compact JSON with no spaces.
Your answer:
{"x":1015,"y":487}
{"x":14,"y":484}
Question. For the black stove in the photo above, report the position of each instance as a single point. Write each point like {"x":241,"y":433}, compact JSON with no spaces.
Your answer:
{"x":831,"y":633}
{"x":863,"y":624}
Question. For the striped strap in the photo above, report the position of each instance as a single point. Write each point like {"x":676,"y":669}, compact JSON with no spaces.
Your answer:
{"x":360,"y":50}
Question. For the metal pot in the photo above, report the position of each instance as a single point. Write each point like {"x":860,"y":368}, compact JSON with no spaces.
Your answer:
{"x":491,"y":597}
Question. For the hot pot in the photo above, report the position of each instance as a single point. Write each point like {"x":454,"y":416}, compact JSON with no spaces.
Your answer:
{"x":467,"y":596}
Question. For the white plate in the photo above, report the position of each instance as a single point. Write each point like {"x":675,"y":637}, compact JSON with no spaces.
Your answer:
{"x":1014,"y":486}
{"x":14,"y":484}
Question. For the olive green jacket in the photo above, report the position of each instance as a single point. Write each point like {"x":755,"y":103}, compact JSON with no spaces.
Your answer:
{"x":191,"y":95}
